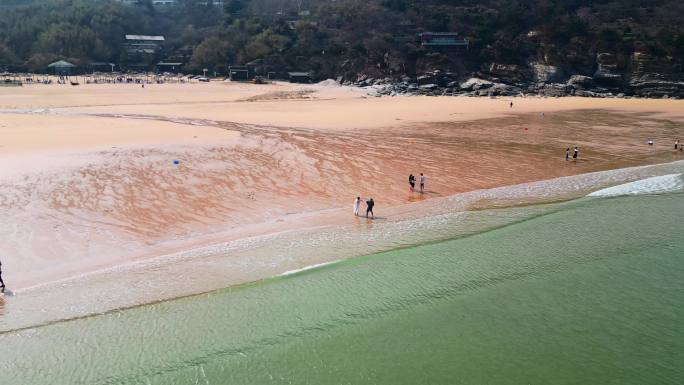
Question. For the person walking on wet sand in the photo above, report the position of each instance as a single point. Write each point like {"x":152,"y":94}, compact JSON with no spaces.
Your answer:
{"x":412,"y":182}
{"x":422,"y":183}
{"x":357,"y":206}
{"x":2,"y":283}
{"x":575,"y":153}
{"x":511,"y":104}
{"x":369,"y":208}
{"x":676,"y":144}
{"x":567,"y":154}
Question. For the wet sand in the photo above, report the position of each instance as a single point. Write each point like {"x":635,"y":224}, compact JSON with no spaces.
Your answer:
{"x":89,"y":181}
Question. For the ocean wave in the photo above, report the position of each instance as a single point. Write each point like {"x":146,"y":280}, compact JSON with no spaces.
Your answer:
{"x":654,"y":185}
{"x":205,"y":268}
{"x":303,"y":269}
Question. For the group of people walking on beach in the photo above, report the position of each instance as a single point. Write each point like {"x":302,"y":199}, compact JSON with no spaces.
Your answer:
{"x":369,"y":207}
{"x":370,"y":203}
{"x":412,"y":183}
{"x":575,"y":153}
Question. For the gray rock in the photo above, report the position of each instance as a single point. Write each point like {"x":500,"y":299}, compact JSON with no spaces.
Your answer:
{"x":580,"y":82}
{"x":554,"y":90}
{"x":656,"y":88}
{"x":543,"y":73}
{"x":587,"y":94}
{"x":475,"y":84}
{"x":607,"y":72}
{"x":508,"y":73}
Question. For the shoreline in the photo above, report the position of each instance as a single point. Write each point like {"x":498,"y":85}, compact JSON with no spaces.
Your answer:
{"x":103,"y":285}
{"x":292,"y":222}
{"x":84,"y":189}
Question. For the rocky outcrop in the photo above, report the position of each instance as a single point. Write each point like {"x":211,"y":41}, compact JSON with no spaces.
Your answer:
{"x":654,"y":77}
{"x":508,"y":73}
{"x":607,"y":73}
{"x":547,"y":73}
{"x":580,"y":82}
{"x":645,"y":77}
{"x":475,"y":84}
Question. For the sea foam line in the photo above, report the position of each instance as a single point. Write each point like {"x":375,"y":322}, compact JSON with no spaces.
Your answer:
{"x":653,"y":185}
{"x":310,"y":267}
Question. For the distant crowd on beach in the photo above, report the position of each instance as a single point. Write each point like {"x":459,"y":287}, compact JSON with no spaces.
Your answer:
{"x":575,"y":153}
{"x":99,"y":78}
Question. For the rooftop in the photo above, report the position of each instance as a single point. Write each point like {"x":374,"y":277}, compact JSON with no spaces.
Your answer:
{"x":61,"y":64}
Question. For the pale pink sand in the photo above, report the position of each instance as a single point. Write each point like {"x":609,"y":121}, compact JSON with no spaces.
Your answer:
{"x":88,"y":180}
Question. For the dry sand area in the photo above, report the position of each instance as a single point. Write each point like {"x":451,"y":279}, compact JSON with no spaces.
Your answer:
{"x":88,"y":178}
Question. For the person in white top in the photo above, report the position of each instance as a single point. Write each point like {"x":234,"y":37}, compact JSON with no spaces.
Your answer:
{"x":422,"y":182}
{"x":357,"y":206}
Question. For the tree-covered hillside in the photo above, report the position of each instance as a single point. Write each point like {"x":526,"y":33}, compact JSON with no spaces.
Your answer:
{"x":345,"y":38}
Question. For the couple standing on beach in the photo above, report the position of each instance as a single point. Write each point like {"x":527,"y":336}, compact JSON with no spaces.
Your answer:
{"x":412,"y":182}
{"x":575,"y":153}
{"x":369,"y":207}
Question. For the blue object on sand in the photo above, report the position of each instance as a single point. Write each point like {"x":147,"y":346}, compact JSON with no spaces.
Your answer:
{"x":176,"y":162}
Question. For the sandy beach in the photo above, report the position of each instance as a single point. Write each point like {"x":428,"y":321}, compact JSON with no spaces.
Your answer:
{"x":99,"y":175}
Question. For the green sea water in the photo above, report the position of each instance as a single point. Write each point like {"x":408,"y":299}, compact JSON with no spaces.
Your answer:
{"x":591,"y":292}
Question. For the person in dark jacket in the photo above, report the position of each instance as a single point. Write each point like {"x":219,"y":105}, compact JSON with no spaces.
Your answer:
{"x":2,"y":283}
{"x":369,"y":208}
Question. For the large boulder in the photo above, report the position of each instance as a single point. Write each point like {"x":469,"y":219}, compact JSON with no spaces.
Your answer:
{"x":607,"y":73}
{"x":474,"y":84}
{"x":554,"y":90}
{"x":646,"y":67}
{"x":658,"y":88}
{"x":509,"y":73}
{"x":586,"y":94}
{"x":438,"y":77}
{"x":543,"y":73}
{"x":580,"y":82}
{"x":503,"y":90}
{"x":655,"y":77}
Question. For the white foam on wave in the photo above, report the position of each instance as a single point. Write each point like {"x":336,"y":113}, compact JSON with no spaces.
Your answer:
{"x":654,"y":185}
{"x":218,"y":265}
{"x":310,"y":267}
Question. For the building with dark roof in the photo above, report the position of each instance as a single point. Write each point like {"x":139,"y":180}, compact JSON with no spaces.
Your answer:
{"x":143,"y":51}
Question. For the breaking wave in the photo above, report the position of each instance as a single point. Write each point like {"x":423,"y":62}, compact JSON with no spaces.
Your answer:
{"x":653,"y":185}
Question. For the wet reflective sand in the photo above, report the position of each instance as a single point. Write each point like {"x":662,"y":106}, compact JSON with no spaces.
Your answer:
{"x":73,"y":203}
